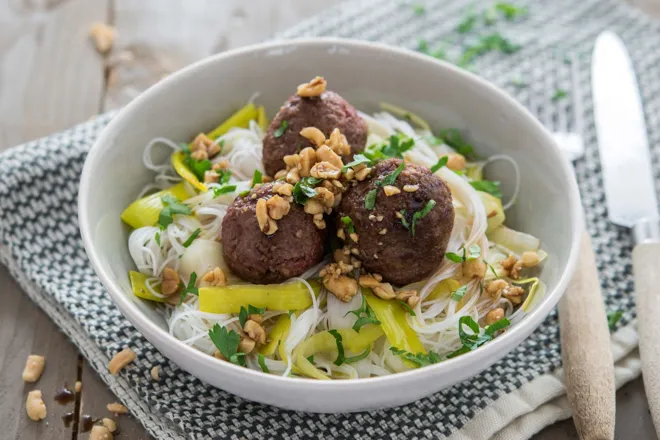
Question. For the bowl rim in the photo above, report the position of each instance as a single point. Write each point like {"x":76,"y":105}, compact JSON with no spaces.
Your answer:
{"x":152,"y":331}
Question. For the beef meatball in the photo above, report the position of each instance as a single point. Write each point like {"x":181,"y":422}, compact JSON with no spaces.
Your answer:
{"x":254,"y":256}
{"x":393,"y":240}
{"x":325,"y":112}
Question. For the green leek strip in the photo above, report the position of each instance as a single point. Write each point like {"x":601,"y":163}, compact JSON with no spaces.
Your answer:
{"x":262,"y":119}
{"x":494,"y":212}
{"x":403,"y":113}
{"x":324,"y":342}
{"x":230,"y":299}
{"x":276,"y":335}
{"x":139,"y":284}
{"x":179,"y":165}
{"x":532,"y":291}
{"x":443,"y":289}
{"x":240,"y":119}
{"x":393,"y":320}
{"x":145,"y":211}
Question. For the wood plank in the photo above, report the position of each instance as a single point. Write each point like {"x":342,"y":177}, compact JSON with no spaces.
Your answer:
{"x":27,"y":330}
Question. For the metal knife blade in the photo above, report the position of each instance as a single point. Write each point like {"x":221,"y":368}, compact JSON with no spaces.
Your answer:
{"x":622,"y":136}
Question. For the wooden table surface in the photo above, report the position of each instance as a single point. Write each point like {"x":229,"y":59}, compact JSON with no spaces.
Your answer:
{"x":52,"y":78}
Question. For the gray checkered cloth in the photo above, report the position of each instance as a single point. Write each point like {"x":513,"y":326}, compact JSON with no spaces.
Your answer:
{"x":40,"y":242}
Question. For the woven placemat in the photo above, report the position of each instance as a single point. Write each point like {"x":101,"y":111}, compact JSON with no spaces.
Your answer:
{"x":40,"y":242}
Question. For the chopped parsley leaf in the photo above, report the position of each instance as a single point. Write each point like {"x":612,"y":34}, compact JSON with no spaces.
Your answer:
{"x":358,"y":159}
{"x":281,"y":129}
{"x":492,"y":269}
{"x":459,"y":293}
{"x":349,"y":224}
{"x":171,"y":206}
{"x":390,"y":179}
{"x":192,"y":237}
{"x":420,"y":359}
{"x":190,"y":288}
{"x":157,"y":237}
{"x":224,"y":174}
{"x":488,"y":186}
{"x":304,"y":189}
{"x":224,"y":189}
{"x":256,"y":178}
{"x":404,"y":220}
{"x":359,"y":357}
{"x":242,"y":316}
{"x":441,"y":163}
{"x":262,"y":363}
{"x":244,"y":313}
{"x":407,"y":307}
{"x":451,"y":256}
{"x":395,"y":146}
{"x":419,"y":9}
{"x":364,"y":314}
{"x":454,"y":138}
{"x":421,"y":214}
{"x":198,"y":167}
{"x":559,"y":94}
{"x":613,"y":318}
{"x":473,"y":339}
{"x":244,"y":193}
{"x":340,"y":347}
{"x":370,"y":199}
{"x":310,"y":358}
{"x":227,"y":344}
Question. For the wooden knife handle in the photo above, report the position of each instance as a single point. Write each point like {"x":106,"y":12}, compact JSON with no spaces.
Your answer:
{"x":646,"y":257}
{"x":586,"y":350}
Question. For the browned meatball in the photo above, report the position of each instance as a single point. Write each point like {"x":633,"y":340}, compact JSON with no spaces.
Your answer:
{"x":296,"y":246}
{"x":388,"y":247}
{"x":325,"y":112}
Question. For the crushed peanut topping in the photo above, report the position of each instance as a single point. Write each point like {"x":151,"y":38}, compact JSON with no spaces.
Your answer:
{"x":246,"y":345}
{"x":78,"y":386}
{"x":293,"y":176}
{"x":120,"y":360}
{"x":34,"y":366}
{"x":362,"y":173}
{"x":325,"y":154}
{"x":340,"y":257}
{"x":281,"y":174}
{"x":529,"y":259}
{"x":199,"y":155}
{"x":474,"y":268}
{"x":325,"y":170}
{"x":266,"y":224}
{"x":314,"y":207}
{"x":514,"y":294}
{"x":259,"y":319}
{"x":171,"y":281}
{"x":222,"y":165}
{"x":117,"y":408}
{"x":35,"y":406}
{"x":110,"y":424}
{"x":307,"y":160}
{"x":353,"y":236}
{"x":283,"y":189}
{"x":512,"y":266}
{"x":384,"y":291}
{"x":343,"y":287}
{"x":313,"y":134}
{"x":379,"y":218}
{"x":456,"y":162}
{"x":211,"y":177}
{"x":494,"y":315}
{"x":391,"y":190}
{"x":341,"y":234}
{"x":212,"y":278}
{"x":204,"y":143}
{"x":155,"y":372}
{"x":255,"y":331}
{"x":325,"y":196}
{"x":410,"y":188}
{"x":277,"y":207}
{"x":103,"y":37}
{"x":338,"y":143}
{"x":369,"y":281}
{"x":314,"y":88}
{"x":382,"y":231}
{"x":495,"y":287}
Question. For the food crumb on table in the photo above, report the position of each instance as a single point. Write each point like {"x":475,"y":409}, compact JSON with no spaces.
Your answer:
{"x":34,"y":366}
{"x":117,"y":408}
{"x":120,"y":360}
{"x":78,"y":386}
{"x":100,"y":432}
{"x":155,"y":373}
{"x":35,"y":406}
{"x":110,"y":424}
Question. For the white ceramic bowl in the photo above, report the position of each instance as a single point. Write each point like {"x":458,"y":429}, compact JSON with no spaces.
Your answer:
{"x":197,"y":97}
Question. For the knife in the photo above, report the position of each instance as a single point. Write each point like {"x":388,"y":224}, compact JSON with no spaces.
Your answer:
{"x":630,"y":193}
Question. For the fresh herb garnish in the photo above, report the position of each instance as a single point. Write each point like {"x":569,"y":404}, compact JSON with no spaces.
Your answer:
{"x":340,"y":347}
{"x":420,"y":359}
{"x":358,"y":159}
{"x":473,"y":339}
{"x":474,"y":252}
{"x":291,"y":312}
{"x":227,"y":344}
{"x":492,"y":269}
{"x":190,"y":288}
{"x":281,"y":129}
{"x":244,"y":313}
{"x":395,"y":146}
{"x":192,"y":237}
{"x":198,"y":167}
{"x":454,"y":138}
{"x":310,"y":358}
{"x":262,"y":363}
{"x":419,"y":9}
{"x":404,"y":220}
{"x":459,"y":293}
{"x":390,"y":179}
{"x":359,"y":357}
{"x":304,"y":189}
{"x":224,"y":175}
{"x":364,"y":314}
{"x":488,"y":186}
{"x":613,"y":318}
{"x":407,"y":307}
{"x":256,"y":178}
{"x":171,"y":206}
{"x":370,"y":199}
{"x":441,"y":163}
{"x":490,"y":16}
{"x":349,"y":224}
{"x":224,"y":189}
{"x":559,"y":94}
{"x":157,"y":237}
{"x":451,"y":256}
{"x":244,"y":193}
{"x":417,"y":215}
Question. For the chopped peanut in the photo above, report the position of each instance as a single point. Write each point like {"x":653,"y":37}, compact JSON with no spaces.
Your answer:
{"x":211,"y":177}
{"x":117,"y":408}
{"x":78,"y":386}
{"x":338,"y":143}
{"x":103,"y":37}
{"x":212,"y":278}
{"x":391,"y":190}
{"x":100,"y":433}
{"x":110,"y":424}
{"x":255,"y":331}
{"x":293,"y":176}
{"x":512,"y":266}
{"x":514,"y":294}
{"x":246,"y":345}
{"x":325,"y":170}
{"x":384,"y":291}
{"x":291,"y":160}
{"x":325,"y":196}
{"x":315,"y":87}
{"x":281,"y":174}
{"x":199,"y":155}
{"x":410,"y":297}
{"x":120,"y":360}
{"x":529,"y":259}
{"x":362,"y":174}
{"x":456,"y":162}
{"x":494,"y":315}
{"x":369,"y":281}
{"x":343,"y":287}
{"x":277,"y":207}
{"x":495,"y":287}
{"x":325,"y":154}
{"x":341,"y":234}
{"x":283,"y":189}
{"x":474,"y":268}
{"x":307,"y":160}
{"x":410,"y":188}
{"x":259,"y":319}
{"x":155,"y":372}
{"x":34,"y":366}
{"x":313,"y":134}
{"x":262,"y":214}
{"x":340,"y":257}
{"x":353,"y":236}
{"x":382,"y":231}
{"x":171,"y":281}
{"x":313,"y":207}
{"x":35,"y":406}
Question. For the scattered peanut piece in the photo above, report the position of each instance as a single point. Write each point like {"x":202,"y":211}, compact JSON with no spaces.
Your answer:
{"x":255,"y":331}
{"x":120,"y":360}
{"x":215,"y":277}
{"x":313,"y":88}
{"x":117,"y":408}
{"x":155,"y":372}
{"x":494,"y":315}
{"x":171,"y":281}
{"x":456,"y":162}
{"x":35,"y":406}
{"x":78,"y":386}
{"x":100,"y":433}
{"x":103,"y":37}
{"x":34,"y":366}
{"x":110,"y":424}
{"x":391,"y":190}
{"x":529,"y":259}
{"x":474,"y":268}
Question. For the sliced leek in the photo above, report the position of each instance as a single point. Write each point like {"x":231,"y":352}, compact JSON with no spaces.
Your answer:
{"x":139,"y":285}
{"x":405,"y":114}
{"x":230,"y":299}
{"x":240,"y":119}
{"x":494,"y":212}
{"x":145,"y":211}
{"x":276,"y":335}
{"x":443,"y":289}
{"x":515,"y":241}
